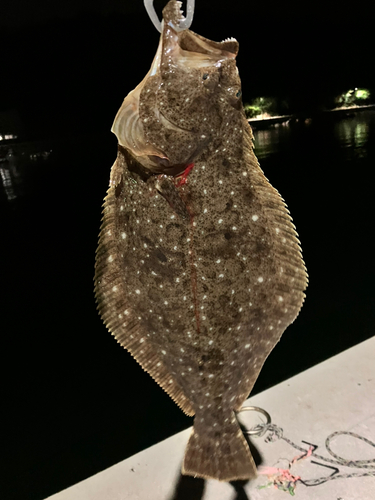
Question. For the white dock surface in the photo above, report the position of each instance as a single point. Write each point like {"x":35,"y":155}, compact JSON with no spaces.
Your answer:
{"x":336,"y":395}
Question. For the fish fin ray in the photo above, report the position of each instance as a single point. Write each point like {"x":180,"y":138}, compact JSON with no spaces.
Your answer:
{"x":125,"y":327}
{"x":286,"y":244}
{"x":224,"y":456}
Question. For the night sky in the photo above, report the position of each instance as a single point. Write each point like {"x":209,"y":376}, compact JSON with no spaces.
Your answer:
{"x":66,"y":66}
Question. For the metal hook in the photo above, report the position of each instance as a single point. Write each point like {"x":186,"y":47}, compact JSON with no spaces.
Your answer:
{"x":184,"y":25}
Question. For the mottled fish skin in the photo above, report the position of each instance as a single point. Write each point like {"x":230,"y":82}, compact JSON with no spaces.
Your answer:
{"x":198,"y":273}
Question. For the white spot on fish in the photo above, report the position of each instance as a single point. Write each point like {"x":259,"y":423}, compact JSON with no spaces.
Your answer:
{"x":260,"y":279}
{"x":137,"y":292}
{"x":255,"y":217}
{"x":110,"y":258}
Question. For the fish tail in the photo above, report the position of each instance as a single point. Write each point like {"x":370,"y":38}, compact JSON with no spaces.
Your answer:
{"x":218,"y":454}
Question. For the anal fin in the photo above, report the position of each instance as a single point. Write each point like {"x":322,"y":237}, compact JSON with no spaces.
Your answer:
{"x":121,"y":320}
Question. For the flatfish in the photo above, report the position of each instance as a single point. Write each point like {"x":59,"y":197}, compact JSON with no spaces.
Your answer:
{"x":198,"y":269}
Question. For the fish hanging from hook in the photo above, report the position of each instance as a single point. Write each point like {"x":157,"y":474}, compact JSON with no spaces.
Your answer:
{"x":199,"y":268}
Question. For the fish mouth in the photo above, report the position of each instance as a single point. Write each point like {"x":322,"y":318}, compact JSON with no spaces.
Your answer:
{"x":197,"y":51}
{"x":184,"y":40}
{"x":185,"y":49}
{"x":188,"y":49}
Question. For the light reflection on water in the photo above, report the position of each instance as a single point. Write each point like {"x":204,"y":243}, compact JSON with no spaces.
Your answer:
{"x":16,"y":162}
{"x":272,"y":140}
{"x":346,"y":139}
{"x":351,"y":135}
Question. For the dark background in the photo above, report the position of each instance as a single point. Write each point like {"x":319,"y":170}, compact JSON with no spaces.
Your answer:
{"x":73,"y":401}
{"x":67,"y":65}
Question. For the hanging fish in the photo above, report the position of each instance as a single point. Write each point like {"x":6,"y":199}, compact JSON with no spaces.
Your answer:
{"x":198,"y":269}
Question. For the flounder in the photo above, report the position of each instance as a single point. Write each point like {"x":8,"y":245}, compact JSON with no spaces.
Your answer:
{"x":198,"y":269}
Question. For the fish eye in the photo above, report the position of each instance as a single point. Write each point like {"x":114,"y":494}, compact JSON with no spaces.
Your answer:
{"x":239,"y":93}
{"x":205,"y":76}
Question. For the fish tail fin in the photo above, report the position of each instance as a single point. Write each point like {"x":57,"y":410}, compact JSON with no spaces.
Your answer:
{"x":221,"y":454}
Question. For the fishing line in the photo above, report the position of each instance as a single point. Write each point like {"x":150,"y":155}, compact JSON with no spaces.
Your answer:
{"x":283,"y":479}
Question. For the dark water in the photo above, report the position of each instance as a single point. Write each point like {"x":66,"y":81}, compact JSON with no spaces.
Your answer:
{"x":73,"y":401}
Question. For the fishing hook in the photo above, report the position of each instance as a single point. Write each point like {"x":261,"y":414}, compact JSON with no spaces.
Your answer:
{"x":183,"y":25}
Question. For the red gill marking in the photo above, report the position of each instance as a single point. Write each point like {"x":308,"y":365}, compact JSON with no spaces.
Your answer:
{"x":182,"y":178}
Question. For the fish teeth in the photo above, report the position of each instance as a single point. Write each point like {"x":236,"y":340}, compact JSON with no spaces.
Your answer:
{"x":231,"y":39}
{"x":180,"y":11}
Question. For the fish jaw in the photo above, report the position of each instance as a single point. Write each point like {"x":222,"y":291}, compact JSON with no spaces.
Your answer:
{"x":177,"y":101}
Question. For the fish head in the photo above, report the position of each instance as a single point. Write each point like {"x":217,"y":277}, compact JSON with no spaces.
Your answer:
{"x":179,"y":107}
